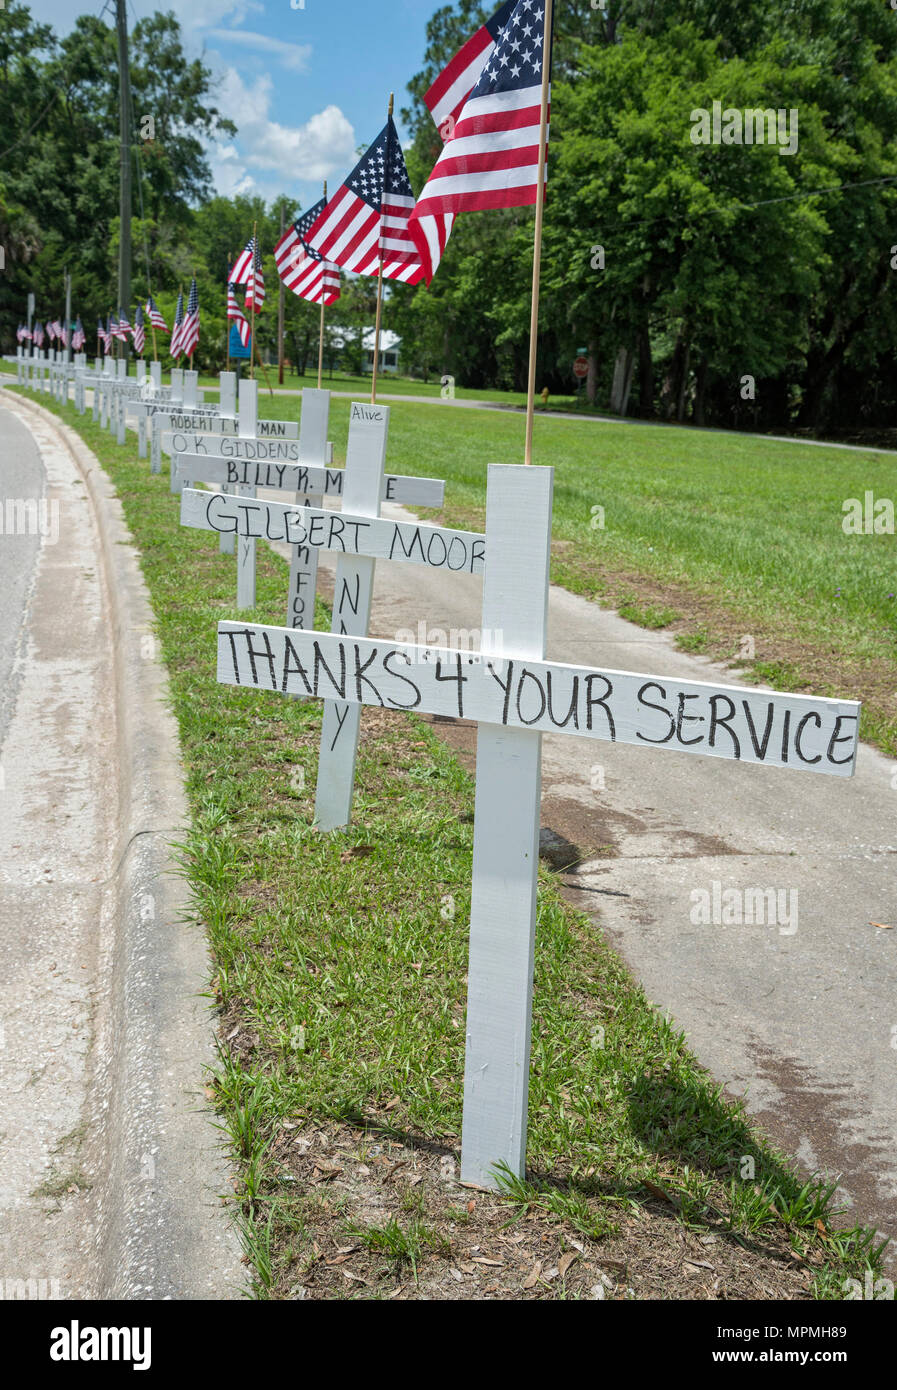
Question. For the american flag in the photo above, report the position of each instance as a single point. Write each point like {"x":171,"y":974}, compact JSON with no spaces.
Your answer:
{"x":455,"y":83}
{"x":101,"y":334}
{"x":491,"y":159}
{"x":235,"y":312}
{"x":124,"y":326}
{"x":116,"y":329}
{"x":302,"y":269}
{"x":79,"y":337}
{"x":22,"y":333}
{"x":189,"y":338}
{"x":155,"y":316}
{"x":38,"y":335}
{"x":174,"y":346}
{"x":248,"y":271}
{"x":138,"y":332}
{"x":368,"y":215}
{"x":52,"y":329}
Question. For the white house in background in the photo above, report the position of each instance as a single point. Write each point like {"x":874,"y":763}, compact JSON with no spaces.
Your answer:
{"x":390,"y":349}
{"x":345,"y":340}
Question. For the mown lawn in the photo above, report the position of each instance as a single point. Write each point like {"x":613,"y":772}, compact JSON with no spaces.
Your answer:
{"x":339,"y":988}
{"x":734,"y":543}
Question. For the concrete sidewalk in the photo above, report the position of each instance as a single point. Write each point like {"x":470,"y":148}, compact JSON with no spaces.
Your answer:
{"x":110,"y":1169}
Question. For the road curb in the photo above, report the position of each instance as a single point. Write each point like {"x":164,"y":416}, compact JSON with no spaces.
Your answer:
{"x":161,"y":1231}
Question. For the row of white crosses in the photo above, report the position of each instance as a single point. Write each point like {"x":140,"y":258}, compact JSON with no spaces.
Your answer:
{"x":514,"y":695}
{"x":274,"y":459}
{"x":509,"y":689}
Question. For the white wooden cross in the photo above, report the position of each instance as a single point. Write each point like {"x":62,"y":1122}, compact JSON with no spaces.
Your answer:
{"x":274,"y":463}
{"x":359,"y":536}
{"x":188,"y":436}
{"x":514,"y":695}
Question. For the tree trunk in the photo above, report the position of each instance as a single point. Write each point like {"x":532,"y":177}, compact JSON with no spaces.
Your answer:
{"x":700,"y":389}
{"x":685,"y":362}
{"x":619,"y":396}
{"x":645,"y":374}
{"x":592,"y":378}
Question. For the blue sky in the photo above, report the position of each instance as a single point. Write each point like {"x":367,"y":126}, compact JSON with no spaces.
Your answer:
{"x":305,"y":86}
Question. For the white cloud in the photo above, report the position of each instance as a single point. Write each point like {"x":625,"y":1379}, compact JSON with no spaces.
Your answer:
{"x":293,"y":56}
{"x":200,"y":14}
{"x":325,"y":144}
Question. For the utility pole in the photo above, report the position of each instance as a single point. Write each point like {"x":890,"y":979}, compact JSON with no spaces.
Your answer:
{"x":280,"y":302}
{"x":124,"y":99}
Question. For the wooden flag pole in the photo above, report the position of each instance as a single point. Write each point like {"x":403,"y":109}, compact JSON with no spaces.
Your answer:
{"x":280,"y":313}
{"x":191,"y":350}
{"x":377,"y":332}
{"x":321,"y":330}
{"x":537,"y":239}
{"x":226,"y":315}
{"x":252,"y":308}
{"x":321,"y":344}
{"x":379,"y":302}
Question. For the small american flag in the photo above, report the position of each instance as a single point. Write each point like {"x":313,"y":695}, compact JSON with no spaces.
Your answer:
{"x":38,"y":335}
{"x":235,"y":312}
{"x":138,"y":332}
{"x":368,"y":215}
{"x":155,"y":316}
{"x":117,"y":329}
{"x":124,"y":326}
{"x":189,"y":338}
{"x":101,"y":334}
{"x":302,"y":269}
{"x":491,"y":159}
{"x":175,"y":345}
{"x":79,"y":338}
{"x":248,"y":271}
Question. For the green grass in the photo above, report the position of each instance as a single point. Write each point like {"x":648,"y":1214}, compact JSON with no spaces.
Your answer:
{"x":723,"y":535}
{"x":339,"y":977}
{"x":387,"y":385}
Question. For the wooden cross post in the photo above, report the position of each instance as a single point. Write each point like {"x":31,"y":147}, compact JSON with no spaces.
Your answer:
{"x":506,"y":837}
{"x":313,"y":449}
{"x":352,"y":592}
{"x":515,"y":695}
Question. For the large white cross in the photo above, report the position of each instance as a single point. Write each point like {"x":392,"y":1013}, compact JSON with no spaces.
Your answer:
{"x":514,"y":695}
